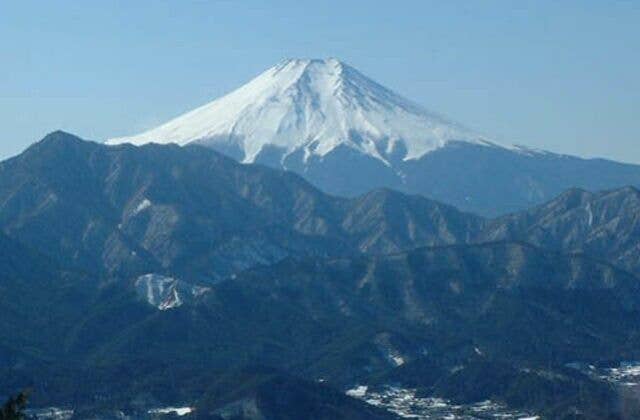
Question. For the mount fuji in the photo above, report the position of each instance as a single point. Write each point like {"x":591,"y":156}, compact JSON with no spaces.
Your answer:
{"x":347,"y":134}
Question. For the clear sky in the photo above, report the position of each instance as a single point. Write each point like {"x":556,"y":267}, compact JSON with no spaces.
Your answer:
{"x":559,"y":75}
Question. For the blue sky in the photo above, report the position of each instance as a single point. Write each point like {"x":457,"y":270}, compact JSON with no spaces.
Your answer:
{"x":562,"y":76}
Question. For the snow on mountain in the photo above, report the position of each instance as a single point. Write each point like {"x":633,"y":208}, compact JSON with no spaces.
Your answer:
{"x":166,"y":292}
{"x":311,"y":106}
{"x":348,"y":135}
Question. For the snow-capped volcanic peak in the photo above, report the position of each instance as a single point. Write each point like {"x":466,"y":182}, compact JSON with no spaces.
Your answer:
{"x":311,"y":106}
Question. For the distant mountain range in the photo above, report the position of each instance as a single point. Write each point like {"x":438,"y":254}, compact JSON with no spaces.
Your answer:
{"x":348,"y":135}
{"x":138,"y":277}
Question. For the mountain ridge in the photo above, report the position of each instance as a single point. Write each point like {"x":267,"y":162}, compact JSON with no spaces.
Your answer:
{"x":157,"y":208}
{"x":124,"y":199}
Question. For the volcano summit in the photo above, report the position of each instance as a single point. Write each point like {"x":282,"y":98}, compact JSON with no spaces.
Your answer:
{"x":348,"y":134}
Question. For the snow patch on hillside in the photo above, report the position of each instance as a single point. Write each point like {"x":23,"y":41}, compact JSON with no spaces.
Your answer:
{"x":144,"y":204}
{"x":179,"y":411}
{"x":167,"y":292}
{"x":405,"y":403}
